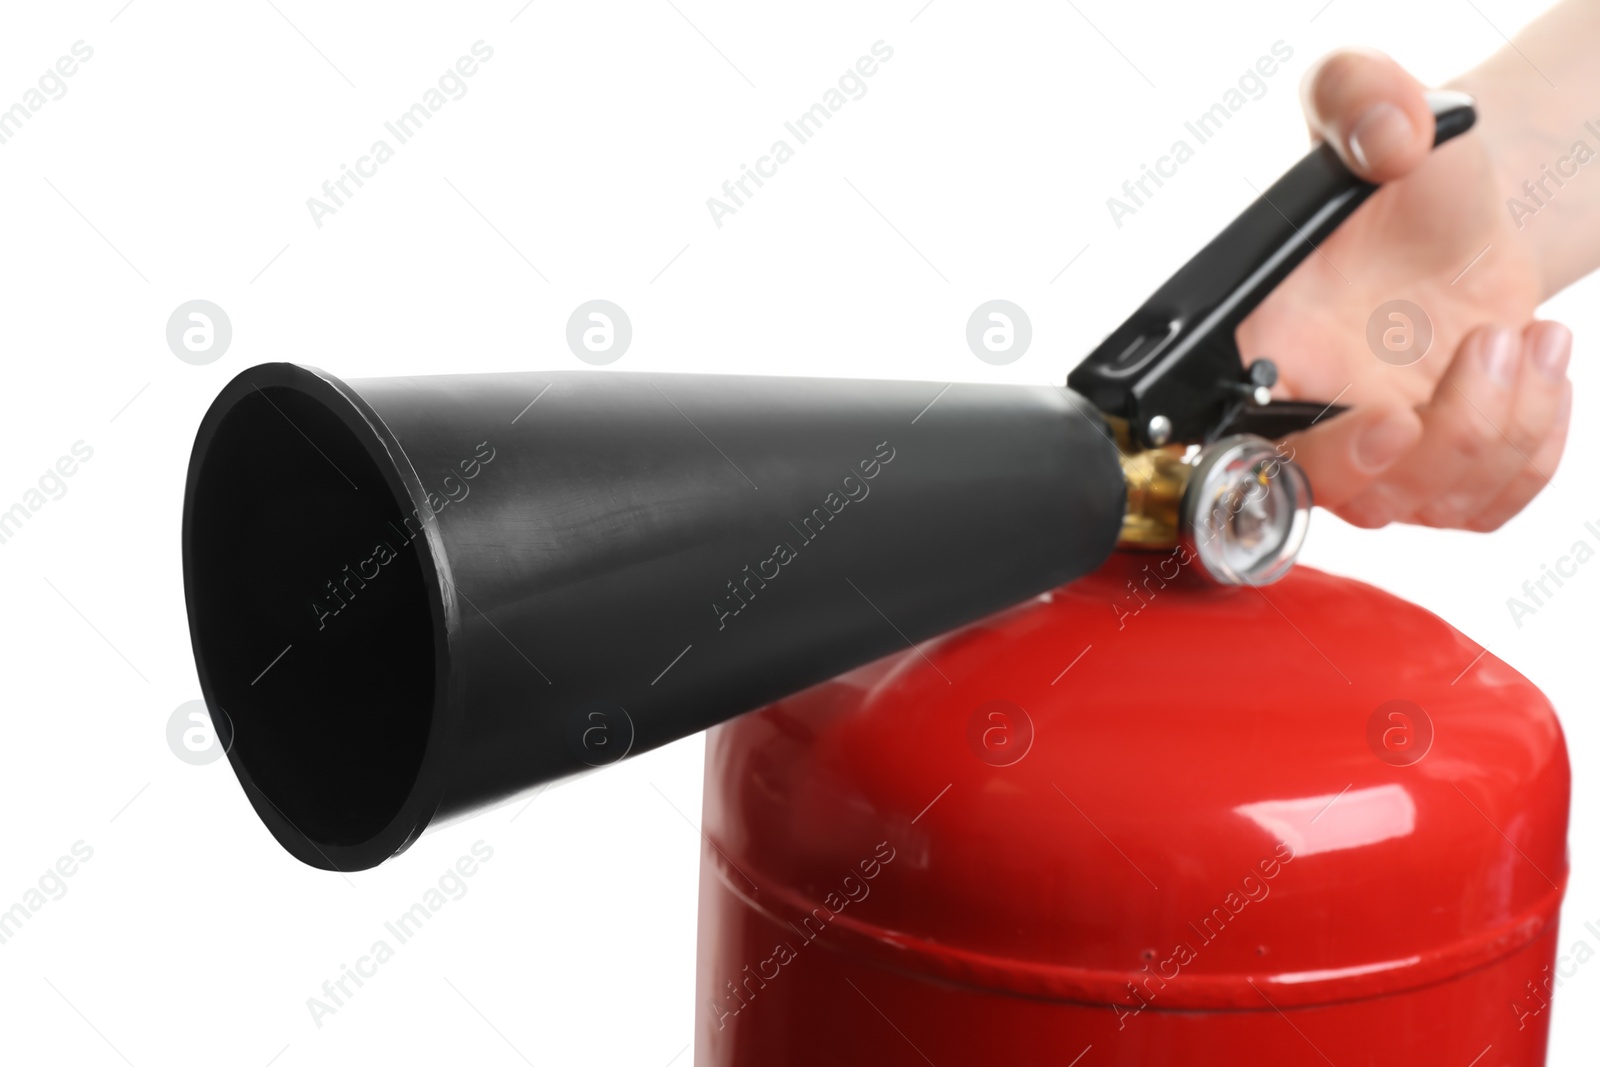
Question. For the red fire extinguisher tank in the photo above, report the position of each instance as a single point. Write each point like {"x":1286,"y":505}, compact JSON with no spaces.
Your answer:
{"x":1142,"y":821}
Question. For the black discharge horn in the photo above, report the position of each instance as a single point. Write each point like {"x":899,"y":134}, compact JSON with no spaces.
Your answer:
{"x":413,"y":597}
{"x":410,"y":598}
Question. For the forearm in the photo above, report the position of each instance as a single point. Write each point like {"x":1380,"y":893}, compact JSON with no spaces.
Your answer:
{"x":1540,"y":120}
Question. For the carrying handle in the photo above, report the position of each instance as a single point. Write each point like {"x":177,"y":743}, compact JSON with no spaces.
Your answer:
{"x":1173,"y":370}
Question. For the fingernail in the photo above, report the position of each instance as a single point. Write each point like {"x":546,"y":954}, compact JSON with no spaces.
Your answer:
{"x":1380,"y":444}
{"x":1499,"y":351}
{"x":1379,"y":134}
{"x":1552,"y":347}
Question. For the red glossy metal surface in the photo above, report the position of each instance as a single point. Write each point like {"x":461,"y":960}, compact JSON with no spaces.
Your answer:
{"x":1304,"y":824}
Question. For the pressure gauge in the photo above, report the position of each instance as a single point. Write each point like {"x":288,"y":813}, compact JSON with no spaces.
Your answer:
{"x":1245,"y":511}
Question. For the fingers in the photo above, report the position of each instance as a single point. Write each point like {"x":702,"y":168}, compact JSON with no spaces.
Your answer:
{"x":1371,"y":111}
{"x":1532,"y":478}
{"x":1461,"y":436}
{"x":1493,"y":415}
{"x":1345,"y":455}
{"x":1540,"y":354}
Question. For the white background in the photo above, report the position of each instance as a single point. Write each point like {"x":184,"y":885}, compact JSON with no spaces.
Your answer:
{"x":590,"y":142}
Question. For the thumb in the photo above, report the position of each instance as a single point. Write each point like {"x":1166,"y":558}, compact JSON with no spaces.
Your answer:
{"x":1344,"y":455}
{"x":1371,"y":111}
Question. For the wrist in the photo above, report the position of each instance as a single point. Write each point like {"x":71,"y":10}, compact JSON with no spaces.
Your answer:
{"x":1543,"y":152}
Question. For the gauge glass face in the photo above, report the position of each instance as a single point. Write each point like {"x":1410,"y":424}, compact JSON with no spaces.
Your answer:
{"x":1248,"y":510}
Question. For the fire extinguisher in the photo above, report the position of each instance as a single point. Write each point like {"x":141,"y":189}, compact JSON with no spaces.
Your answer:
{"x":410,"y":598}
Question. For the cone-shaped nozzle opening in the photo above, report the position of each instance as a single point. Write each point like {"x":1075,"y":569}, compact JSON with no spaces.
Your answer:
{"x":413,"y":598}
{"x":312,"y":613}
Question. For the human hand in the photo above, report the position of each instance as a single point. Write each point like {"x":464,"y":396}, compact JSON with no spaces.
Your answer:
{"x":1469,"y":433}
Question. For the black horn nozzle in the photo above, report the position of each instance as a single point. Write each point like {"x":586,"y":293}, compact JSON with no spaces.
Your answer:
{"x":413,"y":597}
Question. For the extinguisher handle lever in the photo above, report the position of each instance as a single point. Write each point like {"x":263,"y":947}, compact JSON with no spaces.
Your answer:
{"x":1173,"y":372}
